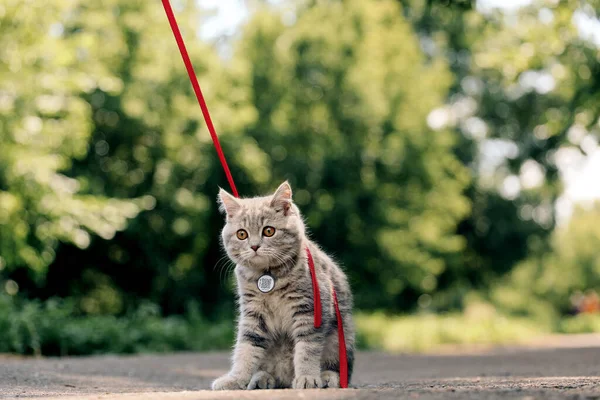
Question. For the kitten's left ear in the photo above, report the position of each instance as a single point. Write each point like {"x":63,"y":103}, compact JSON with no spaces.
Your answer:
{"x":282,"y":199}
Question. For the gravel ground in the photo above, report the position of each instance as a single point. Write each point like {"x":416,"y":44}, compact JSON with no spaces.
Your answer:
{"x":556,"y":372}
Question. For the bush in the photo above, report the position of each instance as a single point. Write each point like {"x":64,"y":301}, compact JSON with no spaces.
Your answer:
{"x":546,"y":284}
{"x":583,"y":323}
{"x":54,"y":328}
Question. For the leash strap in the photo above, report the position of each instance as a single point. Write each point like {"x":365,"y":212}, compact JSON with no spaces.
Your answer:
{"x":343,"y":355}
{"x":198,"y":92}
{"x":316,"y":292}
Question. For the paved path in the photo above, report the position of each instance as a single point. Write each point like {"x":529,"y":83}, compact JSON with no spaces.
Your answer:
{"x":518,"y":373}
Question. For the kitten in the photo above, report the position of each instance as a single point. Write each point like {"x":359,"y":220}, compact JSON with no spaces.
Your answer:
{"x":277,"y":344}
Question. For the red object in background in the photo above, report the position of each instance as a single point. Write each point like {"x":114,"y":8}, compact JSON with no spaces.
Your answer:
{"x":590,"y":304}
{"x":585,"y":303}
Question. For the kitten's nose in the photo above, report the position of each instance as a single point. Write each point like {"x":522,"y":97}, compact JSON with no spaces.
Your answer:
{"x":255,"y":248}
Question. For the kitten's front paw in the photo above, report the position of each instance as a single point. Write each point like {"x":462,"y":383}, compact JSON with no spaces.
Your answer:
{"x":228,"y":382}
{"x":331,"y":379}
{"x":261,"y":380}
{"x":307,"y":382}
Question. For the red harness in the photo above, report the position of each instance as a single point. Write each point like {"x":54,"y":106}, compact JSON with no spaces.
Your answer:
{"x":213,"y":134}
{"x":318,"y":312}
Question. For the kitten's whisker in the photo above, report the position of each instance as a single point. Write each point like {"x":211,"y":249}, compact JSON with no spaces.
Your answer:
{"x":280,"y":259}
{"x":219,"y":265}
{"x":223,"y":258}
{"x":225,"y":266}
{"x":229,"y":268}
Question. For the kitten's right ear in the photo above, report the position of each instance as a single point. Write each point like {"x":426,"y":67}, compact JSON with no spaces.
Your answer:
{"x":228,"y":203}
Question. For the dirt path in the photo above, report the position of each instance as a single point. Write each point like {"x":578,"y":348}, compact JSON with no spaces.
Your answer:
{"x":517,"y":373}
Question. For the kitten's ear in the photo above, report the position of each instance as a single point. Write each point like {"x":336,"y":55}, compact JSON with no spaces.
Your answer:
{"x":228,"y":203}
{"x":282,"y":199}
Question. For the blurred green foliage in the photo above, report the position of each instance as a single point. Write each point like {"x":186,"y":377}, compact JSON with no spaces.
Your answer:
{"x":45,"y":126}
{"x":56,"y":327}
{"x":479,"y":326}
{"x":525,"y":91}
{"x":427,"y":332}
{"x":134,"y":143}
{"x":422,"y":139}
{"x":547,"y":283}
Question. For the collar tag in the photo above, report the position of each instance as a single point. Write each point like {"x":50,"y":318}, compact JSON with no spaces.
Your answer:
{"x":265,"y":283}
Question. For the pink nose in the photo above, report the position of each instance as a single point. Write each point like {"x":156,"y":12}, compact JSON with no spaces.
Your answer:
{"x":255,"y":248}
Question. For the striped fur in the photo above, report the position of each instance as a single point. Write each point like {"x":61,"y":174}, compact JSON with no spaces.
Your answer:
{"x":277,"y":345}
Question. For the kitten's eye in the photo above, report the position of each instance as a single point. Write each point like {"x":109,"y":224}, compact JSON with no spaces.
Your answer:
{"x":242,"y":234}
{"x":268,"y":231}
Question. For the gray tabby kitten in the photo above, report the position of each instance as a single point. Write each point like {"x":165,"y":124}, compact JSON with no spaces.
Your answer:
{"x":277,"y":344}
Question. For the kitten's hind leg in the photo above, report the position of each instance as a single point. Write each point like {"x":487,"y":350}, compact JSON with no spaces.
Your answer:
{"x":330,"y":361}
{"x":331,"y":379}
{"x":261,"y":380}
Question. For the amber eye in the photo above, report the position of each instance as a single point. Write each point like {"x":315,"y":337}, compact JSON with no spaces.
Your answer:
{"x":268,"y":231}
{"x":242,"y":234}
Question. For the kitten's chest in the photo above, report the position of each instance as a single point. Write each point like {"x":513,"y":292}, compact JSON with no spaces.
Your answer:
{"x":279,"y":315}
{"x":275,"y":308}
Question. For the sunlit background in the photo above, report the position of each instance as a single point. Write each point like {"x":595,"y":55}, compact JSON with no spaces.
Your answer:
{"x":579,"y":173}
{"x":445,"y":152}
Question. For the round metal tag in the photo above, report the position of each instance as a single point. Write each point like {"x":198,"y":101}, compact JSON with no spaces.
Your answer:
{"x":265,"y":283}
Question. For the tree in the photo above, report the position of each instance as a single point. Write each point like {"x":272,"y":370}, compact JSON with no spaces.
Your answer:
{"x":525,"y":89}
{"x":342,"y":97}
{"x":534,"y":78}
{"x":45,"y":126}
{"x":97,"y":91}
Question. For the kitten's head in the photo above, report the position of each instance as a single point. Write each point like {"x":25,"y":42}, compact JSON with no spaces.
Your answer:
{"x":262,"y":232}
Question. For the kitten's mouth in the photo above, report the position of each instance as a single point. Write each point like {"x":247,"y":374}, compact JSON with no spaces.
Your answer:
{"x":256,"y":256}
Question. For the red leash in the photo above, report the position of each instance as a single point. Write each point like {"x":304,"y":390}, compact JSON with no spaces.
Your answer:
{"x":213,"y":134}
{"x":199,"y":96}
{"x":341,"y":344}
{"x":316,"y":292}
